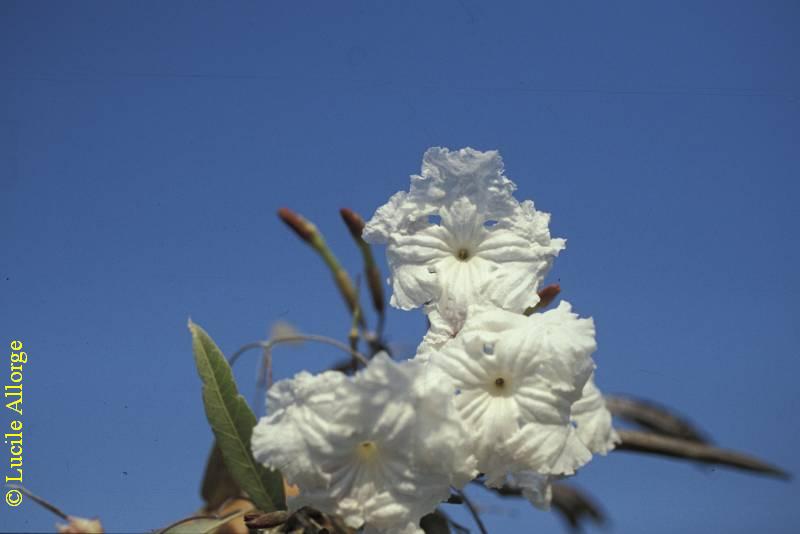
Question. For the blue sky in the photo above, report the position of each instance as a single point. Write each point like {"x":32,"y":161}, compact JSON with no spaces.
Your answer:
{"x":145,"y":147}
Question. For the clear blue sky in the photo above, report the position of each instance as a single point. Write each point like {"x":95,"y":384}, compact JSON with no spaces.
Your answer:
{"x":144,"y":149}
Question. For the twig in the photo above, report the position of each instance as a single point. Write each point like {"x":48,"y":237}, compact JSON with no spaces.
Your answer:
{"x":308,"y":519}
{"x":268,"y":367}
{"x":300,"y":337}
{"x":647,"y":442}
{"x":653,"y":417}
{"x":457,"y":526}
{"x":259,"y":520}
{"x":573,"y":504}
{"x":41,"y":502}
{"x":472,"y":510}
{"x":264,"y":381}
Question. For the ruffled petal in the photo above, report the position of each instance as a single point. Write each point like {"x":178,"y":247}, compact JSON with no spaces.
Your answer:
{"x":549,"y":449}
{"x":593,"y":420}
{"x":538,"y":489}
{"x":440,"y":332}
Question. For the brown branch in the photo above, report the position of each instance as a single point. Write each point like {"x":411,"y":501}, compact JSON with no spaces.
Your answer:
{"x":653,"y":417}
{"x":651,"y":443}
{"x":472,"y":510}
{"x":259,"y":520}
{"x":40,"y":501}
{"x":573,"y":504}
{"x":309,"y":520}
{"x":299,"y":337}
{"x":576,"y":506}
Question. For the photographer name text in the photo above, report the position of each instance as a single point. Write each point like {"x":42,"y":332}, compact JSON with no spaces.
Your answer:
{"x":13,"y":437}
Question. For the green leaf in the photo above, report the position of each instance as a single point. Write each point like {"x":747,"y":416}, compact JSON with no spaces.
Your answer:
{"x":200,"y":524}
{"x":232,"y":421}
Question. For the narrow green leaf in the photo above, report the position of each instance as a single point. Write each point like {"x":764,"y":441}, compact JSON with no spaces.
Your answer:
{"x":200,"y":524}
{"x":232,"y":421}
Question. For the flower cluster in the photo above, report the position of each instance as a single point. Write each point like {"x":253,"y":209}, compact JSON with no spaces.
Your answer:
{"x":497,"y":387}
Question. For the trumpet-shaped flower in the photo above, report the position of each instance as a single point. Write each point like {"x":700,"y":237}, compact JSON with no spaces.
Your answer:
{"x":485,"y":247}
{"x":380,"y":449}
{"x":516,"y":381}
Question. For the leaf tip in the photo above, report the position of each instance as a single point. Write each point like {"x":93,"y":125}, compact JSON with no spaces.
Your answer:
{"x":194,"y":328}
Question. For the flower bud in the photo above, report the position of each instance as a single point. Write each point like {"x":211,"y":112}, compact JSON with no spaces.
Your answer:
{"x":547,"y":294}
{"x":356,"y":224}
{"x":304,"y":229}
{"x":353,"y":221}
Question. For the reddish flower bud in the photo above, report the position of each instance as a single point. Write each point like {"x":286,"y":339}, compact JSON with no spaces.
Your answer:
{"x":304,"y":229}
{"x":547,"y":294}
{"x":353,"y":221}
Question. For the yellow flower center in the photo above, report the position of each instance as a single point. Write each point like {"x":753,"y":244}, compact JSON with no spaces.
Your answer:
{"x":367,"y":451}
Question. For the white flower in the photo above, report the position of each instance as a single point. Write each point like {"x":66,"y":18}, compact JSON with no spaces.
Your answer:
{"x":487,"y":247}
{"x":593,"y":420}
{"x":516,"y":380}
{"x":381,"y":449}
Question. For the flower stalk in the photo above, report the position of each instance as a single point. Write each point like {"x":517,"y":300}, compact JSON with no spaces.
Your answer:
{"x":309,"y":233}
{"x":355,"y":223}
